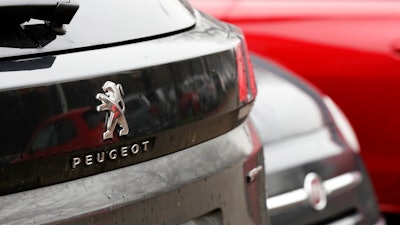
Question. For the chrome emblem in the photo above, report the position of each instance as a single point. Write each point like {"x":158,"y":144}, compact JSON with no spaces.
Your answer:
{"x":111,"y":100}
{"x":111,"y":154}
{"x":317,"y":196}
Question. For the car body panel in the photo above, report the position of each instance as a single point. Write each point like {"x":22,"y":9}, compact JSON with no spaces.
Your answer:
{"x":348,"y":49}
{"x":162,"y":190}
{"x":58,"y":166}
{"x":298,"y":113}
{"x":52,"y":102}
{"x":293,"y":152}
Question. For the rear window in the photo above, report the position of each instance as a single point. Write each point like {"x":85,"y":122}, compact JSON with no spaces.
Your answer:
{"x":94,"y":25}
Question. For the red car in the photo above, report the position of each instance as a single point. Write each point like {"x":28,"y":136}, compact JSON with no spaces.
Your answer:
{"x":67,"y":132}
{"x":351,"y":51}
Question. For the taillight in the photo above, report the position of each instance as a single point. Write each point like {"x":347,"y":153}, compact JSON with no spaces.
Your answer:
{"x":246,"y":79}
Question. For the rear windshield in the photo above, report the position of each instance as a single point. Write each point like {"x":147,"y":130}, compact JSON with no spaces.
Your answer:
{"x":93,"y":26}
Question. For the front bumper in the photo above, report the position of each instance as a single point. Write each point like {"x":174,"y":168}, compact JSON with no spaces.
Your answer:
{"x":350,"y":198}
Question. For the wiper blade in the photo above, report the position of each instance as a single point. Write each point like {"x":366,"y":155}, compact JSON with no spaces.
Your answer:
{"x":54,"y":11}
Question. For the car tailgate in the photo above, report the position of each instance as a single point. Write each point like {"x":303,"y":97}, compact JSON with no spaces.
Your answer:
{"x":54,"y":125}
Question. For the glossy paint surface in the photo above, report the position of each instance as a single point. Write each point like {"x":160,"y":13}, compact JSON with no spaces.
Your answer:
{"x":171,"y":168}
{"x":349,"y":50}
{"x":299,"y":138}
{"x":171,"y":189}
{"x":94,"y":26}
{"x":60,"y":121}
{"x":170,"y":103}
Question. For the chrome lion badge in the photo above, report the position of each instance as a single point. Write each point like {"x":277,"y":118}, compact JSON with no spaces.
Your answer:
{"x":111,"y":100}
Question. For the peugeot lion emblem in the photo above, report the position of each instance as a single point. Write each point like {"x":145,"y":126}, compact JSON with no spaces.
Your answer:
{"x":111,"y":100}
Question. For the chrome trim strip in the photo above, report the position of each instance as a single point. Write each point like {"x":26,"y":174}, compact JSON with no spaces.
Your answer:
{"x":381,"y":221}
{"x":332,"y":186}
{"x":349,"y":220}
{"x":287,"y":200}
{"x":342,"y":183}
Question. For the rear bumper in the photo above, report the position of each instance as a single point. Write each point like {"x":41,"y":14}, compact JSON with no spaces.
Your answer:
{"x":207,"y":179}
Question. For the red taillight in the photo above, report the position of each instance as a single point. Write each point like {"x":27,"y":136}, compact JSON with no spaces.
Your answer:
{"x":246,"y":79}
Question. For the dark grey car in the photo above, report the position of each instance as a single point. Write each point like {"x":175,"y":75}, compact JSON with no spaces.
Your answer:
{"x":75,"y":149}
{"x":314,"y":172}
